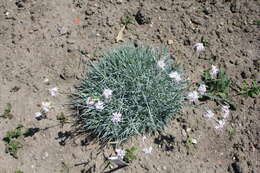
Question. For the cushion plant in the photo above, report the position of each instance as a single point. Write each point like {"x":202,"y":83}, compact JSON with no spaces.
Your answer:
{"x":130,"y":90}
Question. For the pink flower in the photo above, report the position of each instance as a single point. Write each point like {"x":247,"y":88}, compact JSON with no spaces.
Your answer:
{"x":117,"y":117}
{"x":107,"y":93}
{"x":220,"y":125}
{"x":214,"y":71}
{"x":161,"y":64}
{"x":99,"y":106}
{"x":225,"y":111}
{"x":90,"y":101}
{"x":199,"y":47}
{"x":209,"y":114}
{"x":202,"y":89}
{"x":175,"y":75}
{"x":193,"y":96}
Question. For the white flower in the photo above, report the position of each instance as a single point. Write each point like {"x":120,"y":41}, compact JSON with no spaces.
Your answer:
{"x":120,"y":153}
{"x":209,"y":114}
{"x":199,"y":47}
{"x":225,"y":111}
{"x":90,"y":101}
{"x":107,"y":93}
{"x":99,"y":105}
{"x":147,"y":150}
{"x":220,"y":125}
{"x":193,"y":96}
{"x":46,"y":106}
{"x":38,"y":115}
{"x":53,"y":91}
{"x":117,"y":117}
{"x":202,"y":89}
{"x":175,"y":75}
{"x":214,"y":71}
{"x":161,"y":64}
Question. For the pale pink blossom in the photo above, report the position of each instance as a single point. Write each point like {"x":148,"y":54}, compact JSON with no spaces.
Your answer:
{"x":214,"y":71}
{"x":175,"y":75}
{"x":225,"y":111}
{"x":90,"y":101}
{"x":193,"y":96}
{"x":120,"y":153}
{"x":220,"y":125}
{"x":199,"y":47}
{"x":107,"y":93}
{"x":53,"y":91}
{"x":161,"y":64}
{"x":46,"y":106}
{"x":99,"y":106}
{"x":202,"y":89}
{"x":147,"y":150}
{"x":117,"y":117}
{"x":209,"y":114}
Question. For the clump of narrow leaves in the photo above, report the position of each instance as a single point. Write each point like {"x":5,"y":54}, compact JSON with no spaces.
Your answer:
{"x":129,"y":91}
{"x":218,"y":87}
{"x":248,"y":90}
{"x":12,"y":145}
{"x":220,"y":84}
{"x":7,"y":112}
{"x":127,"y":19}
{"x":130,"y":154}
{"x":18,"y":171}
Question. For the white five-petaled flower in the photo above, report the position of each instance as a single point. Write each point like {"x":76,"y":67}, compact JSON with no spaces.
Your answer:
{"x":225,"y":111}
{"x":209,"y":114}
{"x":147,"y":150}
{"x":117,"y":117}
{"x":220,"y":125}
{"x":175,"y":75}
{"x":193,"y":96}
{"x":53,"y":91}
{"x":99,"y":106}
{"x":161,"y":64}
{"x":107,"y":93}
{"x":199,"y":47}
{"x":202,"y":89}
{"x":46,"y":106}
{"x":120,"y":153}
{"x":214,"y":71}
{"x":90,"y":101}
{"x":38,"y":115}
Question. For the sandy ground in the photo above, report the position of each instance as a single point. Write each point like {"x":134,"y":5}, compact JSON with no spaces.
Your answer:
{"x":55,"y":39}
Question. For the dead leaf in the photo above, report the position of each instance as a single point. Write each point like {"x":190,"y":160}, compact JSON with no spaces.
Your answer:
{"x":76,"y":20}
{"x":120,"y":35}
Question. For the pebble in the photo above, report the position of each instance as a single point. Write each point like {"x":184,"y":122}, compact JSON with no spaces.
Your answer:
{"x":119,"y":1}
{"x":194,"y":141}
{"x":183,"y":132}
{"x":62,"y":30}
{"x":169,"y":42}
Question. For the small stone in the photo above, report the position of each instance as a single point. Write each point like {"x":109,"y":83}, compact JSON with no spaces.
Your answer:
{"x":194,"y":141}
{"x":183,"y":132}
{"x":62,"y":30}
{"x":244,"y":75}
{"x":163,"y":8}
{"x":188,"y":130}
{"x":169,"y":42}
{"x":164,"y":167}
{"x":119,"y":1}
